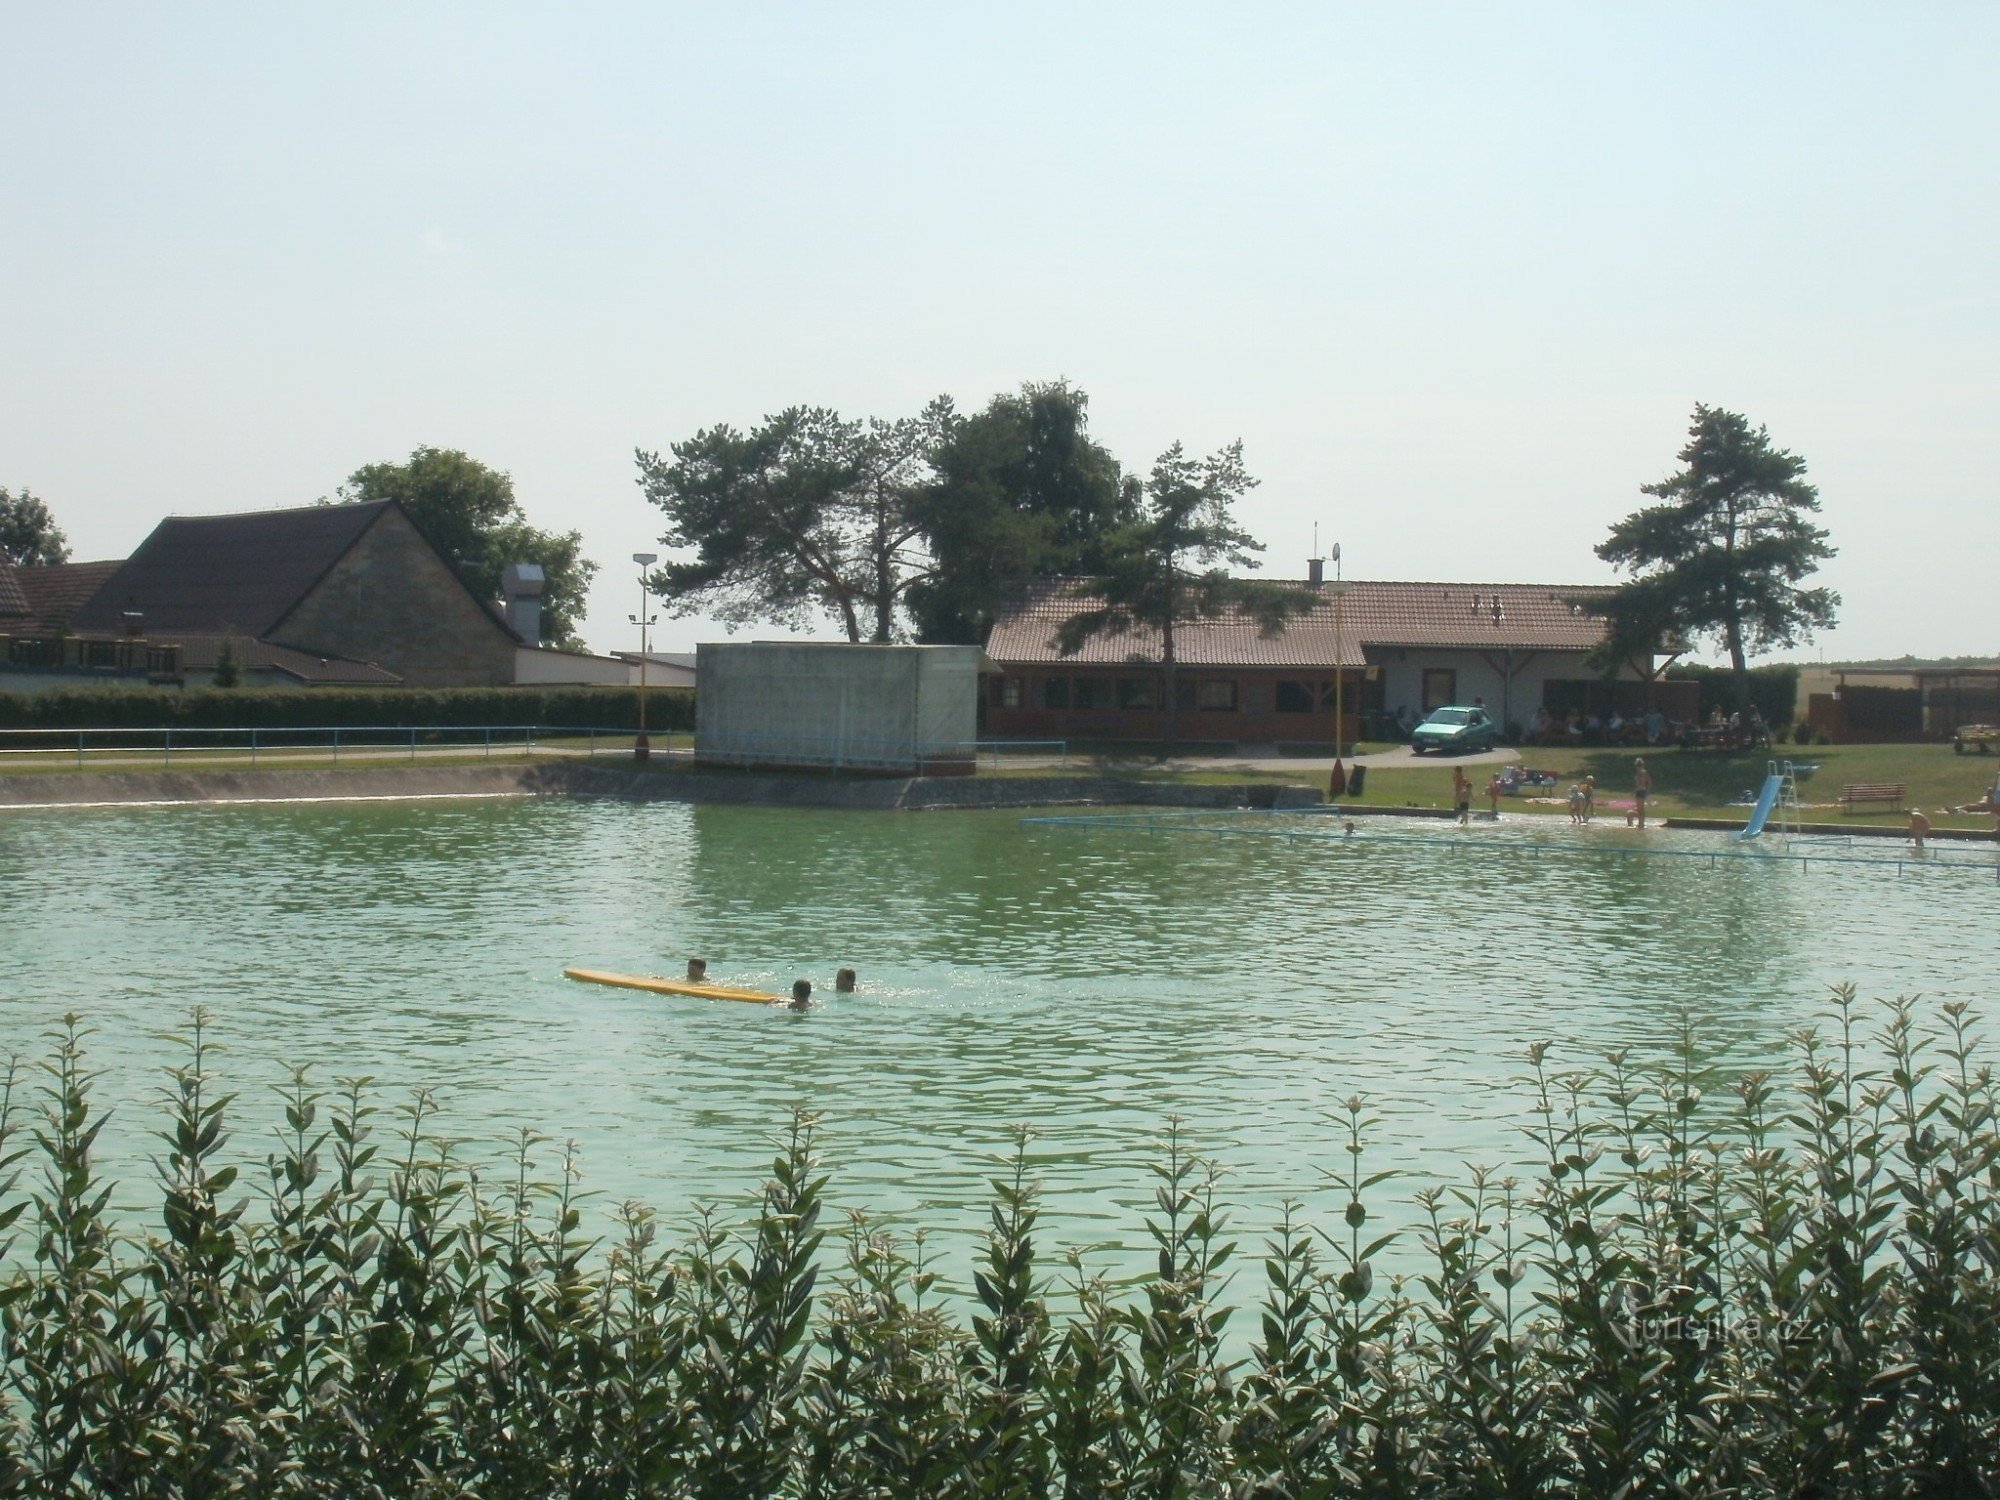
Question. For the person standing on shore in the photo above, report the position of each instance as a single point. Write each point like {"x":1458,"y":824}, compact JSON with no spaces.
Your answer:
{"x":1589,"y":798}
{"x":1461,"y":794}
{"x":1642,"y":788}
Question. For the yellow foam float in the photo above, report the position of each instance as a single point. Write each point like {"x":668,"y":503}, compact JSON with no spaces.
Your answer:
{"x":659,"y":986}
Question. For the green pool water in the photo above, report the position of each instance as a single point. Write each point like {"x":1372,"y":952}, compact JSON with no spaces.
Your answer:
{"x":1088,"y":981}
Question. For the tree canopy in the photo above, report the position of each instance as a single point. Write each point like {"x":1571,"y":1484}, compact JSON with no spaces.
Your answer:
{"x":807,"y":514}
{"x":469,"y":513}
{"x":889,"y":527}
{"x":29,"y":536}
{"x":1169,"y":566}
{"x":1019,"y":490}
{"x":1725,"y":554}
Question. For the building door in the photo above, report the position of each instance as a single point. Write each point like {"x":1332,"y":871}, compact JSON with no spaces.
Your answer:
{"x":1440,"y":687}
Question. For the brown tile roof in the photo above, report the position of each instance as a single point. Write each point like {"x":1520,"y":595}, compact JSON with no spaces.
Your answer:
{"x":199,"y":653}
{"x":12,"y":600}
{"x":1372,"y":614}
{"x":56,"y":594}
{"x":222,"y":575}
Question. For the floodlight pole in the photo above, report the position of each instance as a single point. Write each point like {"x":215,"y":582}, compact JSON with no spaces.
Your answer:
{"x":642,"y":748}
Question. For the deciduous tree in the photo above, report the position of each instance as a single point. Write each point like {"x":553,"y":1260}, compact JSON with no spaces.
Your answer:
{"x":1726,"y":552}
{"x":29,"y":536}
{"x":469,"y":513}
{"x":1020,"y":491}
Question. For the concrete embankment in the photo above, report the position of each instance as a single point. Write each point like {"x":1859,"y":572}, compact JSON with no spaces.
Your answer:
{"x":565,"y":779}
{"x":1825,"y":830}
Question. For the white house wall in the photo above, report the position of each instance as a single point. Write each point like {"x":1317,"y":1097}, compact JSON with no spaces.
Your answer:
{"x":1478,"y":677}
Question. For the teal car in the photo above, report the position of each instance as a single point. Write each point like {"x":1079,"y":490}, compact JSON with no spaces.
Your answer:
{"x":1455,"y":730}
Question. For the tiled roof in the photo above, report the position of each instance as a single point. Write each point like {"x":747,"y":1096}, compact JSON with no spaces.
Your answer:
{"x":56,"y":593}
{"x":12,"y":600}
{"x":224,"y":575}
{"x":199,"y":653}
{"x":1373,"y":614}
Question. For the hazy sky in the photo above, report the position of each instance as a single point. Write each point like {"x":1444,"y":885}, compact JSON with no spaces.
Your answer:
{"x":1456,"y":275}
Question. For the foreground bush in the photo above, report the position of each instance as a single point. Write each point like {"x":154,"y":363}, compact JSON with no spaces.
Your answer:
{"x":1787,"y":1290}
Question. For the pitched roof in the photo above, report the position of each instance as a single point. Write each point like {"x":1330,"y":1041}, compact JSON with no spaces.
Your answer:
{"x":228,"y":575}
{"x":200,"y":652}
{"x":57,"y":592}
{"x":12,"y":600}
{"x":1483,"y":616}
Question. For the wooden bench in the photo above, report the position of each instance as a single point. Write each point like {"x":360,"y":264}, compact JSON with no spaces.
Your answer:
{"x":1890,"y":792}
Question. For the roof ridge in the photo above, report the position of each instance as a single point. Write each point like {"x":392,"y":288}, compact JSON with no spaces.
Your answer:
{"x":273,"y":510}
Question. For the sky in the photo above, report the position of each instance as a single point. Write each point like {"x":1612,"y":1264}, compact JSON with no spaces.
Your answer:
{"x":1456,"y":275}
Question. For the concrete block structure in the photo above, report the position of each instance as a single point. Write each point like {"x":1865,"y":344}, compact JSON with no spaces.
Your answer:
{"x":891,"y":710}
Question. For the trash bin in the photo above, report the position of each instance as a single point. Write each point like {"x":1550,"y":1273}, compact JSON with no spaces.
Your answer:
{"x":1356,"y":780}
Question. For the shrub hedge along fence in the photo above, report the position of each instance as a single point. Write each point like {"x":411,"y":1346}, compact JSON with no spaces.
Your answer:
{"x":1782,"y":1286}
{"x":218,"y":708}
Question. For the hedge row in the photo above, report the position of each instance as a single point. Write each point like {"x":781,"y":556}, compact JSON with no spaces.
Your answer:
{"x":222,"y":708}
{"x":1782,"y":1287}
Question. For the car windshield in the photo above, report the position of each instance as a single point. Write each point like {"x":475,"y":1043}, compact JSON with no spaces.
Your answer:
{"x":1449,"y":716}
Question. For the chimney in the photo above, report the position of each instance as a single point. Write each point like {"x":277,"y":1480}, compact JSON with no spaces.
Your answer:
{"x":1316,"y":571}
{"x":521,"y":587}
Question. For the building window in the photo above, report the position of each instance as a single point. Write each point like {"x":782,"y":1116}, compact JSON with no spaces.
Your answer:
{"x":1440,"y":687}
{"x":1010,"y":692}
{"x":1055,"y":692}
{"x":1138,"y":692}
{"x":1217,"y":695}
{"x":1088,"y":693}
{"x":1184,"y":699}
{"x":1295,"y":698}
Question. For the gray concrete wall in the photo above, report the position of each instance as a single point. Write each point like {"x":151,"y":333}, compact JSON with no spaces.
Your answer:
{"x":583,"y":780}
{"x":806,"y":703}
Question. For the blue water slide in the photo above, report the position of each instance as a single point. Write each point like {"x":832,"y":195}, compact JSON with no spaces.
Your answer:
{"x":1766,"y":800}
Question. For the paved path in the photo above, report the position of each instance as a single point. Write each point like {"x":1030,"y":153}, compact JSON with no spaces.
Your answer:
{"x":1402,"y":757}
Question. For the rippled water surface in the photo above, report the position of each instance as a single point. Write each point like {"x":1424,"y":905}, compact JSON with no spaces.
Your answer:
{"x":1088,"y":980}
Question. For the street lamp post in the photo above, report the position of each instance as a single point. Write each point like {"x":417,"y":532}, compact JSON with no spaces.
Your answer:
{"x":642,"y":748}
{"x":1336,"y":783}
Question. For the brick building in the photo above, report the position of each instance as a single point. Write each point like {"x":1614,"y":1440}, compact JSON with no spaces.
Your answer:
{"x":321,"y":594}
{"x":1399,"y":648}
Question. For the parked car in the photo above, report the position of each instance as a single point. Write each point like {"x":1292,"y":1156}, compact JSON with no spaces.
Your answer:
{"x":1455,"y":729}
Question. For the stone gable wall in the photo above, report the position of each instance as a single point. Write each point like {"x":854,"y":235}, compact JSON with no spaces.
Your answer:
{"x":393,"y":601}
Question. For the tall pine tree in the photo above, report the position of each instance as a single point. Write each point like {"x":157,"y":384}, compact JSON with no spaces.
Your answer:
{"x":1725,"y":554}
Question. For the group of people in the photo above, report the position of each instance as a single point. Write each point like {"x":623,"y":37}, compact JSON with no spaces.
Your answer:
{"x":1582,"y":795}
{"x":1574,"y":728}
{"x":1652,"y":728}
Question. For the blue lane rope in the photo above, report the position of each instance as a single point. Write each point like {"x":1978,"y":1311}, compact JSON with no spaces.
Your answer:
{"x":1241,"y":822}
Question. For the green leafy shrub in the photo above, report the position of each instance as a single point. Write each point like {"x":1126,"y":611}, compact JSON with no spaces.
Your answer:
{"x":1775,"y":1286}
